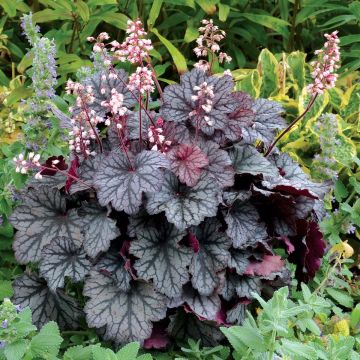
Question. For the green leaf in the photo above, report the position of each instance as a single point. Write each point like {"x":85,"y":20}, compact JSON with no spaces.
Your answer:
{"x":6,"y":290}
{"x":246,"y":334}
{"x":341,"y":297}
{"x":17,"y":94}
{"x":191,"y":33}
{"x":349,"y":39}
{"x":79,"y":353}
{"x":116,"y":19}
{"x":295,"y":348}
{"x":296,"y":61}
{"x":355,"y":317}
{"x":154,"y":12}
{"x":279,"y":25}
{"x":178,"y":58}
{"x":83,"y":10}
{"x":224,"y":11}
{"x":268,"y":69}
{"x":284,"y":9}
{"x":209,"y":6}
{"x":129,"y":351}
{"x":47,"y":15}
{"x":9,"y":7}
{"x":16,"y":350}
{"x":46,"y":343}
{"x":340,"y":191}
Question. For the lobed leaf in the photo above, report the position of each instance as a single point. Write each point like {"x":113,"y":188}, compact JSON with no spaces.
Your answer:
{"x":63,"y":258}
{"x":184,"y":206}
{"x":161,"y":258}
{"x":126,"y":316}
{"x":122,"y":183}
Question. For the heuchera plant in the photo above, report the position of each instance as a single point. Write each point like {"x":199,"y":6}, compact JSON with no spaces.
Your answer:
{"x":169,"y":214}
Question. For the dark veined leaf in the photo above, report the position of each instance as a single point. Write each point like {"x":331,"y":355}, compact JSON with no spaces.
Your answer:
{"x":212,"y":256}
{"x":161,"y":258}
{"x":240,"y":286}
{"x":40,"y":219}
{"x":122,"y":183}
{"x":133,"y":124}
{"x":267,"y":121}
{"x":126,"y":316}
{"x":184,"y":206}
{"x":239,"y":260}
{"x":187,"y":326}
{"x":113,"y":265}
{"x":244,"y":226}
{"x":178,"y":101}
{"x":242,"y":116}
{"x":237,"y":314}
{"x":63,"y":258}
{"x":219,"y":167}
{"x":293,"y":179}
{"x":56,"y":181}
{"x":187,"y":162}
{"x":247,"y":160}
{"x":205,"y":307}
{"x":86,"y":173}
{"x":98,"y":229}
{"x":32,"y":291}
{"x":108,"y":80}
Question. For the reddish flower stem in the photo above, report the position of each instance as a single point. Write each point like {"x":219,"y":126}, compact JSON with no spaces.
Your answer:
{"x":284,"y":132}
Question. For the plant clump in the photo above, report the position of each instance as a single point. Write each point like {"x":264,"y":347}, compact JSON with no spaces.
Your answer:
{"x":169,"y":215}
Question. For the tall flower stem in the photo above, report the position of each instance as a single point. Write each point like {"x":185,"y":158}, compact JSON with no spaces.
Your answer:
{"x":311,"y":102}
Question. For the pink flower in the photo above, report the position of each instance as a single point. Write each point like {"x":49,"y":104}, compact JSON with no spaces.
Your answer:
{"x":324,"y":73}
{"x":141,"y":80}
{"x":135,"y":48}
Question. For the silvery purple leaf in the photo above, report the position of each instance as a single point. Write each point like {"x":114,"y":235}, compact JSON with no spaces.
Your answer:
{"x":267,"y":121}
{"x":62,"y":258}
{"x":108,"y":80}
{"x":86,"y":173}
{"x":98,"y":229}
{"x":122,"y":183}
{"x":127,"y":316}
{"x":161,"y":258}
{"x":247,"y":160}
{"x":41,"y":218}
{"x":133,"y":124}
{"x":32,"y":291}
{"x":212,"y":256}
{"x":220,"y":165}
{"x":113,"y":265}
{"x":184,"y":206}
{"x":187,"y":326}
{"x":239,"y":260}
{"x":293,"y":179}
{"x":240,"y":286}
{"x":205,"y":307}
{"x":178,"y":102}
{"x":56,"y":181}
{"x":244,"y":226}
{"x":188,"y":163}
{"x":236,"y":315}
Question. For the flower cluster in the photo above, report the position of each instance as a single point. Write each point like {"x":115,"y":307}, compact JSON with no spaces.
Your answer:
{"x":115,"y":104}
{"x":23,"y":165}
{"x":157,"y":138}
{"x":203,"y":97}
{"x":141,"y":80}
{"x":325,"y":67}
{"x":207,"y":42}
{"x":44,"y":64}
{"x":135,"y":47}
{"x":83,"y":119}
